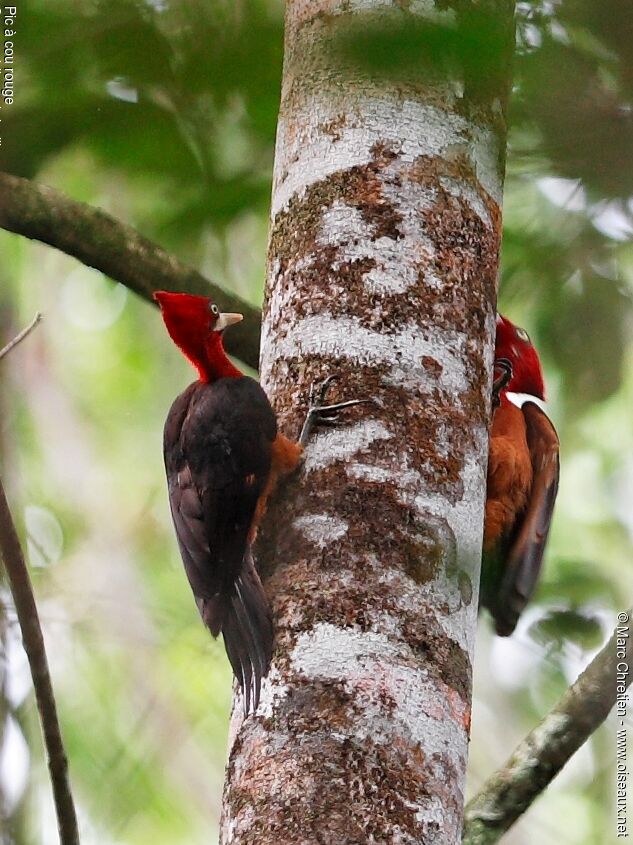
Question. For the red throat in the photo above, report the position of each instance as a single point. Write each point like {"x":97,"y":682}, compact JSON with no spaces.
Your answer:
{"x":216,"y":363}
{"x":189,"y":321}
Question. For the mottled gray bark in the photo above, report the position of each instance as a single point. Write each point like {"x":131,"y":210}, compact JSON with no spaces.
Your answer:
{"x":382,"y":267}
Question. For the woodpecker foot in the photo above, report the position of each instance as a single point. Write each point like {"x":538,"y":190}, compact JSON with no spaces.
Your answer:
{"x":500,"y":380}
{"x":321,"y":414}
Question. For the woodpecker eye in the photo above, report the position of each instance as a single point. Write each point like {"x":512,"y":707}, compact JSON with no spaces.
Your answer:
{"x":213,"y":308}
{"x":523,"y":335}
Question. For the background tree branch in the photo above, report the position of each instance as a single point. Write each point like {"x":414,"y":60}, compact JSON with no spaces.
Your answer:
{"x":33,"y":641}
{"x":100,"y":241}
{"x":545,"y":750}
{"x":20,"y":337}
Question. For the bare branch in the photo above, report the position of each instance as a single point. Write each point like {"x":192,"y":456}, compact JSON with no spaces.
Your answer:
{"x":20,"y":337}
{"x":26,"y":609}
{"x":543,"y":753}
{"x":100,"y":241}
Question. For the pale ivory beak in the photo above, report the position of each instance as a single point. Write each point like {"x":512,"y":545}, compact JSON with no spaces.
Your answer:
{"x":225,"y":320}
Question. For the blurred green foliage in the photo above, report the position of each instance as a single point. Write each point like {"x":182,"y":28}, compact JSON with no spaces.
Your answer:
{"x":472,"y":45}
{"x":164,"y":114}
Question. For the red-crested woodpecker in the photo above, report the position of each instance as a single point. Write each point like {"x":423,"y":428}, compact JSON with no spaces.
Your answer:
{"x":523,"y":468}
{"x":223,"y":458}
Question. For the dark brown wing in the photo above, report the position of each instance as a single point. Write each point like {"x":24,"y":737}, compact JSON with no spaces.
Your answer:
{"x":217,"y":456}
{"x":525,"y":552}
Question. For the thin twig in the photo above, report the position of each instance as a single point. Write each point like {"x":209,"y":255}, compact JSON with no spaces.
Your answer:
{"x":33,"y":641}
{"x":20,"y":337}
{"x":100,"y":241}
{"x":543,"y":753}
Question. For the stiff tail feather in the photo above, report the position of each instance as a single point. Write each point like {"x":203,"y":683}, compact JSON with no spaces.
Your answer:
{"x":245,"y":620}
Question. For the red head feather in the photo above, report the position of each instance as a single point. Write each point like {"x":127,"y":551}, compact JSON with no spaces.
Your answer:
{"x":514,"y":344}
{"x":195,"y":324}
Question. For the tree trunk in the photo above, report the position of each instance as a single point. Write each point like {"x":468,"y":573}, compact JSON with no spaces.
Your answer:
{"x":382,"y":269}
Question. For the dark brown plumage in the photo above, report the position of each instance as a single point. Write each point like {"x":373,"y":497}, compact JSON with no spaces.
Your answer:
{"x":218,"y":450}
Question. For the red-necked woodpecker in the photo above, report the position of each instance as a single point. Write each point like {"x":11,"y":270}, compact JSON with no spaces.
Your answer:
{"x":223,"y":458}
{"x":523,"y":468}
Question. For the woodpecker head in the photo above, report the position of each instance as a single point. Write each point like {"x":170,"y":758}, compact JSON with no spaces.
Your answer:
{"x":514,"y":344}
{"x":195,"y":324}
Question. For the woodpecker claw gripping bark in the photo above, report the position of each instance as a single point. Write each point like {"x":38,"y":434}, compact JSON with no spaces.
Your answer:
{"x":319,"y":413}
{"x":523,"y":469}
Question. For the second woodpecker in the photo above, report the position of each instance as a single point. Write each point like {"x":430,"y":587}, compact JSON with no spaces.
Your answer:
{"x":523,"y":469}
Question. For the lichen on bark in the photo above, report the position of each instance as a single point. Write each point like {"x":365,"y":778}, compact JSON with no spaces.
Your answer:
{"x":382,"y":269}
